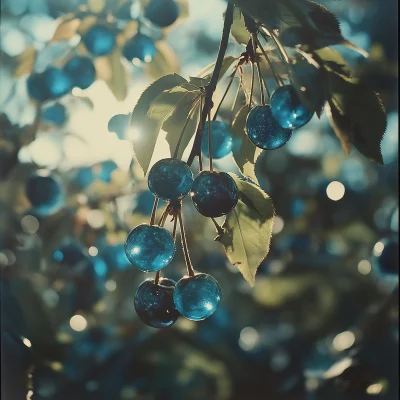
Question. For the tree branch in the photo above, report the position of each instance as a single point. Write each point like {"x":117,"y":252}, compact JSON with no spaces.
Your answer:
{"x":210,"y":89}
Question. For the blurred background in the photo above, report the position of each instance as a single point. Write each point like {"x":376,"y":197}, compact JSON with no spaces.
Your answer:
{"x":321,"y":322}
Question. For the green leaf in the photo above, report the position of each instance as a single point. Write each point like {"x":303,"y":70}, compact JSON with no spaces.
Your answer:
{"x":167,"y":102}
{"x":118,"y":81}
{"x":332,"y":61}
{"x":357,"y":116}
{"x":226,"y":64}
{"x":247,"y":229}
{"x":164,"y":62}
{"x":238,"y":30}
{"x":244,"y":152}
{"x":199,"y":82}
{"x":147,"y":129}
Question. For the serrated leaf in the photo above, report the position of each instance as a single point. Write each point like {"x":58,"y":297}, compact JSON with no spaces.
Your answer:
{"x":226,"y":64}
{"x":181,"y":96}
{"x":244,"y":152}
{"x":164,"y":62}
{"x":357,"y":115}
{"x":118,"y":81}
{"x":247,"y":229}
{"x":265,"y":11}
{"x":238,"y":30}
{"x":199,"y":82}
{"x":147,"y":129}
{"x":332,"y":61}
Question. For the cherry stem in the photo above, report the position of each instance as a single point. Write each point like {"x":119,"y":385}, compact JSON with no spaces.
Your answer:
{"x":201,"y":127}
{"x":252,"y":84}
{"x":278,"y":79}
{"x":226,"y":91}
{"x":154,"y":211}
{"x":175,"y":226}
{"x":210,"y":89}
{"x":163,"y":217}
{"x":210,"y":142}
{"x":185,"y":248}
{"x":253,"y":41}
{"x":235,"y":99}
{"x":157,"y":278}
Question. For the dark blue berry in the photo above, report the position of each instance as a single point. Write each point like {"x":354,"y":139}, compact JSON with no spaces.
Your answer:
{"x":162,"y":12}
{"x":105,"y":170}
{"x":36,"y":87}
{"x":81,"y":70}
{"x":287,"y":108}
{"x":197,"y":297}
{"x":170,"y":179}
{"x":154,"y":303}
{"x":57,"y":82}
{"x":264,"y":131}
{"x":99,"y":40}
{"x":140,"y":47}
{"x":56,"y":114}
{"x":388,"y":260}
{"x":149,"y":248}
{"x":45,"y":193}
{"x":214,"y":194}
{"x":70,"y":254}
{"x":221,"y":140}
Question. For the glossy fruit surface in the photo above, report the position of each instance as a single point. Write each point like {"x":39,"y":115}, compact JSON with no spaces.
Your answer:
{"x":81,"y":70}
{"x":170,"y":179}
{"x":99,"y":40}
{"x":141,"y":47}
{"x":221,"y":140}
{"x":149,"y":248}
{"x":57,"y":82}
{"x":56,"y":114}
{"x":197,"y":297}
{"x":287,"y":108}
{"x":214,"y":194}
{"x":263,"y":130}
{"x":162,"y":12}
{"x":154,"y":303}
{"x":45,"y":193}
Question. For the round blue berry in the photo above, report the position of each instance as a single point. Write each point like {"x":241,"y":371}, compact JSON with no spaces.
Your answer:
{"x":149,"y":248}
{"x":214,"y":194}
{"x":81,"y":70}
{"x":141,"y":47}
{"x":99,"y":40}
{"x":119,"y":124}
{"x":197,"y":297}
{"x":264,"y":131}
{"x":221,"y":140}
{"x":162,"y":12}
{"x":388,"y":259}
{"x":56,"y":114}
{"x":70,"y":254}
{"x":105,"y":171}
{"x":287,"y":108}
{"x":154,"y":303}
{"x":36,"y":87}
{"x":57,"y":82}
{"x":45,"y":193}
{"x":170,"y":179}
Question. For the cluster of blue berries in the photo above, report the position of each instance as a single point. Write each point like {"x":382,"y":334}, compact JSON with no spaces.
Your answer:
{"x":270,"y":126}
{"x":151,"y":248}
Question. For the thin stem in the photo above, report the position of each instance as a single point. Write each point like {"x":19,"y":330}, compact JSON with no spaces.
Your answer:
{"x":200,"y":162}
{"x":278,"y":79}
{"x":235,"y":99}
{"x":196,"y":101}
{"x":157,"y":278}
{"x":210,"y":142}
{"x":185,"y":248}
{"x":202,"y":128}
{"x":252,"y":84}
{"x":278,"y":44}
{"x":210,"y":89}
{"x":226,"y":92}
{"x":253,"y":40}
{"x":153,"y":212}
{"x":246,"y":94}
{"x":174,"y":228}
{"x":163,"y":217}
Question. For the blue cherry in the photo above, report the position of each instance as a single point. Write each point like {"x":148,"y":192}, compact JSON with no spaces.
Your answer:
{"x":149,"y":248}
{"x":45,"y":193}
{"x":56,"y":114}
{"x":36,"y":87}
{"x":119,"y":124}
{"x":170,"y":179}
{"x":162,"y":13}
{"x":154,"y":303}
{"x":214,"y":194}
{"x":197,"y":297}
{"x":57,"y":82}
{"x":221,"y":140}
{"x":141,"y":47}
{"x":99,"y":40}
{"x":263,"y":130}
{"x":70,"y":254}
{"x":81,"y":70}
{"x":287,"y":108}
